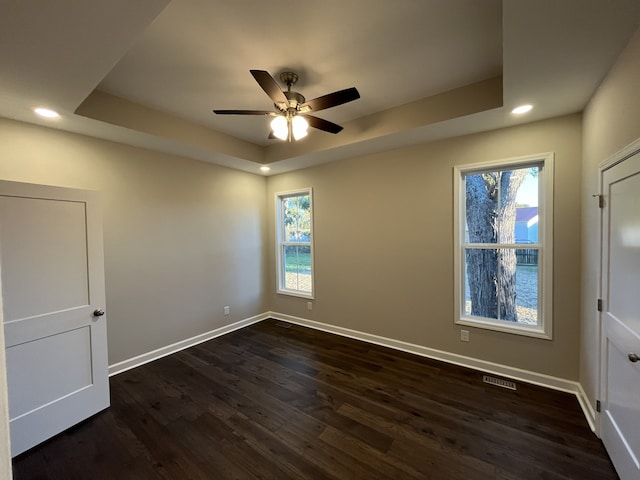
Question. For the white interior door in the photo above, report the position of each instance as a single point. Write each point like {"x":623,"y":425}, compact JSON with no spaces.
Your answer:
{"x":620,"y":421}
{"x":53,"y":296}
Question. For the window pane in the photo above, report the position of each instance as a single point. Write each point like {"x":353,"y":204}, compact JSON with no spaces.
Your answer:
{"x":527,"y":282}
{"x":499,"y":284}
{"x":527,"y":219}
{"x":297,"y":267}
{"x":481,"y":277}
{"x":502,"y":206}
{"x":296,"y":216}
{"x":481,"y":207}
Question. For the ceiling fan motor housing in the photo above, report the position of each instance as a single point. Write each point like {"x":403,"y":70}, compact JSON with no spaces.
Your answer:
{"x":295,"y":99}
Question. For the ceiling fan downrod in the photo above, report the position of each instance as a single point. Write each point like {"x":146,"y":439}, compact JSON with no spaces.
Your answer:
{"x":295,"y":99}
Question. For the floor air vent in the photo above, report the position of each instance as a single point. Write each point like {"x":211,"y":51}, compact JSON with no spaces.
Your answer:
{"x":283,"y":324}
{"x":499,"y":382}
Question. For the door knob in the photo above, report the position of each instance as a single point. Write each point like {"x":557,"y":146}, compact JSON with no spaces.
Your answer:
{"x":633,"y":357}
{"x":98,"y":312}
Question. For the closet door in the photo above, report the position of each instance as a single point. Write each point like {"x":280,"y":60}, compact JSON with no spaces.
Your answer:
{"x":53,"y":301}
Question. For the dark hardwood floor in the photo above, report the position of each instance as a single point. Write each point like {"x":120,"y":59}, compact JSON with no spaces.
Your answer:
{"x":274,"y":402}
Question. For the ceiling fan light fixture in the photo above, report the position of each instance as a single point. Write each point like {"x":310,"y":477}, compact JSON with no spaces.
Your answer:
{"x":280,"y":127}
{"x":299,"y":126}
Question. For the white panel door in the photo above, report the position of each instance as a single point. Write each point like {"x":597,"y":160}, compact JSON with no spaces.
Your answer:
{"x":620,"y":421}
{"x":53,"y":300}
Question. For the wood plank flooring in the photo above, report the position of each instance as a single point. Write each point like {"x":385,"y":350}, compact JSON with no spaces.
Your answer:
{"x":279,"y":401}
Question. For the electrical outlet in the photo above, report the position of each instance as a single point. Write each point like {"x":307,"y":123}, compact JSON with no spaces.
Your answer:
{"x":309,"y":305}
{"x":227,"y":310}
{"x":464,"y":335}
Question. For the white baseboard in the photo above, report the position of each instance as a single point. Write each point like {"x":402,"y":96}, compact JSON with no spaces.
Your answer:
{"x":587,"y":408}
{"x":183,"y":344}
{"x":540,"y":379}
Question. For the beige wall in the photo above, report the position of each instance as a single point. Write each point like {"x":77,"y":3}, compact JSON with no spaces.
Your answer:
{"x":182,"y":238}
{"x":611,"y":122}
{"x":384,"y":253}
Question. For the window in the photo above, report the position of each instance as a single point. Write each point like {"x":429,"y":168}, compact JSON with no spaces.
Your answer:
{"x":503,"y":239}
{"x":295,"y":242}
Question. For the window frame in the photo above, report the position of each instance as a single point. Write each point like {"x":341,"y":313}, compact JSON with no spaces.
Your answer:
{"x":281,"y":244}
{"x":544,"y":328}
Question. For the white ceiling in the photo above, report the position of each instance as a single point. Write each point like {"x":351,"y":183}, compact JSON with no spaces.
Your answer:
{"x":185,"y":57}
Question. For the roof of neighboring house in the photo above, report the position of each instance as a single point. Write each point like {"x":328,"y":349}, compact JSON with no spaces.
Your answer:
{"x":525,"y":214}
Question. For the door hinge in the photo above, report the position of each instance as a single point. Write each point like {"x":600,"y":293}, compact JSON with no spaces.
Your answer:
{"x":600,"y":200}
{"x":598,"y":406}
{"x":599,"y":304}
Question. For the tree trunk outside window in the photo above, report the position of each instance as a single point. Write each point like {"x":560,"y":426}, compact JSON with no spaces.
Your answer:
{"x":490,"y":216}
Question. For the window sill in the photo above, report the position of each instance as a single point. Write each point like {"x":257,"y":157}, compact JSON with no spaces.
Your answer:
{"x":294,"y":293}
{"x":535,"y":331}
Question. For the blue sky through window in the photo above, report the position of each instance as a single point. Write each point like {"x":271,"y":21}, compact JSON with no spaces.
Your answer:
{"x":528,"y":192}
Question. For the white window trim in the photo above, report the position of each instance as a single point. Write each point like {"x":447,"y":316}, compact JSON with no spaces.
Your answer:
{"x":545,"y":240}
{"x":280,"y":266}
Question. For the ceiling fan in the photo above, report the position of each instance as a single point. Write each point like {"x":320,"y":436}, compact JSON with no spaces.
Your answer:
{"x":291,"y":118}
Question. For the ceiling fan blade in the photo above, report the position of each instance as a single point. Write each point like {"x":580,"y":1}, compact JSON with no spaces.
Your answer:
{"x":243,"y":112}
{"x":322,"y":124}
{"x":270,"y":86}
{"x":332,"y":99}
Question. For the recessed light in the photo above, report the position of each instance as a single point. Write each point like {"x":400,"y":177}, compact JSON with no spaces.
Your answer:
{"x":47,"y":113}
{"x":265,"y":168}
{"x":521,"y":109}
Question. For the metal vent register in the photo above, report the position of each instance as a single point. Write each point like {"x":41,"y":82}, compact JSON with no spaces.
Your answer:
{"x":499,"y":382}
